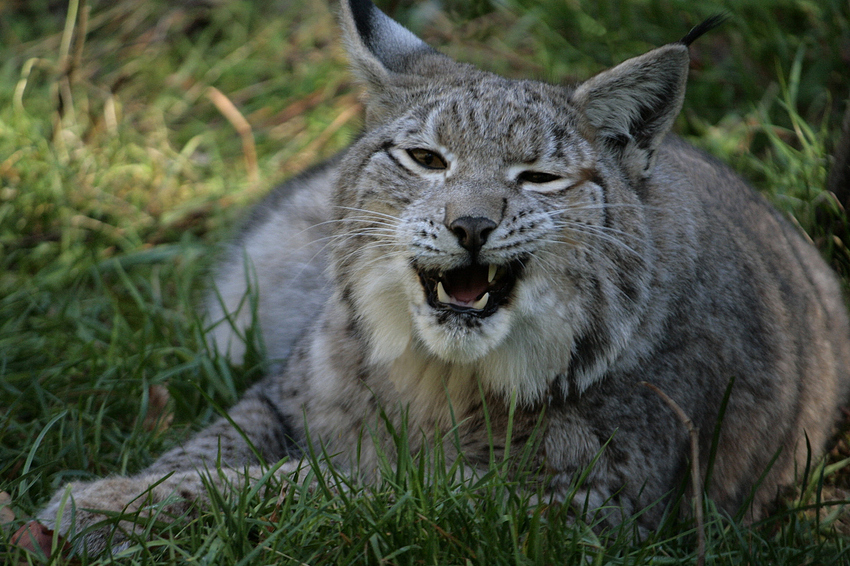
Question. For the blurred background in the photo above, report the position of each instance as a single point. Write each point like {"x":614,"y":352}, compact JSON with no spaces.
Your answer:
{"x":134,"y":134}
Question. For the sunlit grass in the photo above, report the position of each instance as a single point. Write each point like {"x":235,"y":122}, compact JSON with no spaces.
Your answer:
{"x":121,"y":170}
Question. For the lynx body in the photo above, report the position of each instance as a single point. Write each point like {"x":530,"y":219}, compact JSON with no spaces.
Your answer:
{"x":490,"y":239}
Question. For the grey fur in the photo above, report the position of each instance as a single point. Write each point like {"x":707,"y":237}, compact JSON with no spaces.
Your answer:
{"x":624,"y":255}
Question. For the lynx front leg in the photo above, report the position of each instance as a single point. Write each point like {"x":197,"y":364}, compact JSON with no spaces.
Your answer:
{"x":608,"y":458}
{"x":107,"y":514}
{"x":224,"y":455}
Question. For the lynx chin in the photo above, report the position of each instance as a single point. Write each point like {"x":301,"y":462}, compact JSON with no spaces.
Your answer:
{"x":487,"y":240}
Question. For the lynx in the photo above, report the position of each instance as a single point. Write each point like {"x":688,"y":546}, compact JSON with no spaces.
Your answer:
{"x":491,"y":247}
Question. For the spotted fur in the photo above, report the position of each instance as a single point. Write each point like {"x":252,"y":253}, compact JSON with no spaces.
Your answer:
{"x":489,"y":239}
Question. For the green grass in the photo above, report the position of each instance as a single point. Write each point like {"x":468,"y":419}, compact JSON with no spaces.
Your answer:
{"x":120,"y":175}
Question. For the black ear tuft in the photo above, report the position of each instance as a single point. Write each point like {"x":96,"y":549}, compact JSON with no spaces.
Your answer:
{"x":378,"y":43}
{"x":362,"y":12}
{"x":703,"y":28}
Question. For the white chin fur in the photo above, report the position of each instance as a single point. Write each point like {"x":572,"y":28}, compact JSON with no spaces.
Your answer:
{"x":384,"y":306}
{"x":396,"y":311}
{"x":457,"y":341}
{"x":499,"y":349}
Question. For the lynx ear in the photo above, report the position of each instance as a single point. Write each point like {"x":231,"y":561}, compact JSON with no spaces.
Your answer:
{"x":383,"y":53}
{"x":631,"y":107}
{"x":376,"y":43}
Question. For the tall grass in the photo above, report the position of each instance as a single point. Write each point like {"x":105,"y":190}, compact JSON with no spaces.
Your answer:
{"x":124,"y":163}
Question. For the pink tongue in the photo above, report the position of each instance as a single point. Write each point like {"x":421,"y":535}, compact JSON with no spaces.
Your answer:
{"x":466,"y":284}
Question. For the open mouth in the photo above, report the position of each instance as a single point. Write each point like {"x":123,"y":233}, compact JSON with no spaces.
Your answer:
{"x":476,"y":289}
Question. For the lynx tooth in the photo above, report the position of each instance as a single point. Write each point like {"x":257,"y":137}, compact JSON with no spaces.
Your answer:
{"x":442,"y":296}
{"x":482,"y":302}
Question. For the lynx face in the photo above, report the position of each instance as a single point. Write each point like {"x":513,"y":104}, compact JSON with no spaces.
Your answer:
{"x":491,"y":229}
{"x":463,"y":232}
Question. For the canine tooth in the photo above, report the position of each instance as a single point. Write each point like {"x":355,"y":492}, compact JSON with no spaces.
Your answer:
{"x":492,"y":273}
{"x":482,"y":302}
{"x":442,"y":296}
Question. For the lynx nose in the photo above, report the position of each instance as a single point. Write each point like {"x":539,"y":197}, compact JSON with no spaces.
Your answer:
{"x":472,"y":231}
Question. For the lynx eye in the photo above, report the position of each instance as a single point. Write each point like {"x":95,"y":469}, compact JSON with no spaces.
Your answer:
{"x":537,"y":177}
{"x":427,"y":158}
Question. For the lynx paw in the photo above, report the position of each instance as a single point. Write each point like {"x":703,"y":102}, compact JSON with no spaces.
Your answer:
{"x":94,"y":517}
{"x":109,"y":514}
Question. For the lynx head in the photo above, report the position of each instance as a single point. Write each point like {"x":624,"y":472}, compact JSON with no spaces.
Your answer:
{"x":494,"y":223}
